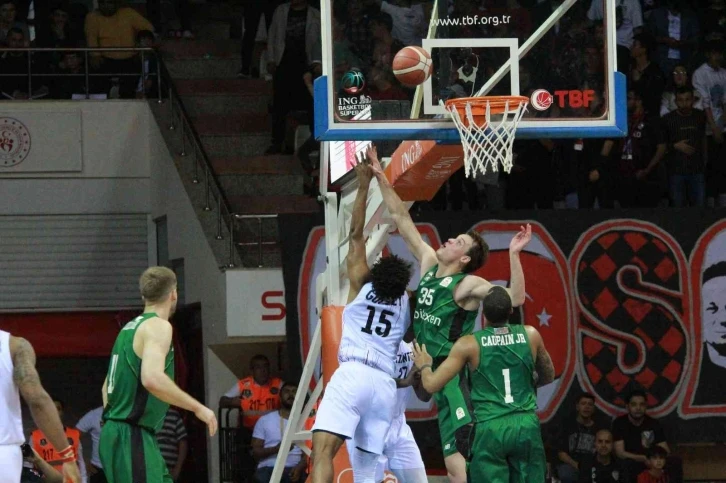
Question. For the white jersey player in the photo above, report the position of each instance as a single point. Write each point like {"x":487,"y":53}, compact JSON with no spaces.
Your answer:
{"x":401,"y":455}
{"x":360,"y":399}
{"x":19,"y":377}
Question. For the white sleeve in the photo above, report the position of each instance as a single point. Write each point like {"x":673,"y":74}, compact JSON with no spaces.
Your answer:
{"x":259,"y":431}
{"x":636,"y":14}
{"x":233,"y":392}
{"x":699,"y":82}
{"x":85,"y":424}
{"x":388,"y":8}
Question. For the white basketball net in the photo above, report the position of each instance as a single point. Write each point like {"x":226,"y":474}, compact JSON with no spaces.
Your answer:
{"x":491,"y":144}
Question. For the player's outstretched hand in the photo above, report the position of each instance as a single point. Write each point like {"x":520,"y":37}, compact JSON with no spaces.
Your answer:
{"x":521,"y":239}
{"x":207,"y":416}
{"x":420,"y":356}
{"x":372,"y":157}
{"x":71,"y":473}
{"x":363,"y":170}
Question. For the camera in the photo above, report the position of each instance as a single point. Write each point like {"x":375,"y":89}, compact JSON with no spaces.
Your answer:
{"x":27,"y":450}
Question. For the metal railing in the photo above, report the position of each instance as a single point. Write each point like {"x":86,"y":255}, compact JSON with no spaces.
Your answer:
{"x":143,"y":52}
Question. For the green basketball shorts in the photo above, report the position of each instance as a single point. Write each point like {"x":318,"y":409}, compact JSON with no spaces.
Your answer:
{"x":453,"y":413}
{"x":508,"y":449}
{"x":130,"y":454}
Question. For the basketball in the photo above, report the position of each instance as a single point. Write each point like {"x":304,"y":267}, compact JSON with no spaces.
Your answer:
{"x":412,"y":66}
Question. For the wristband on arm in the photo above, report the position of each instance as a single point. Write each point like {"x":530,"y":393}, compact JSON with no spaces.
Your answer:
{"x":67,"y":455}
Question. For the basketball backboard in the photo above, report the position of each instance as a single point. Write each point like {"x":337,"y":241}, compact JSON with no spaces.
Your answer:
{"x":559,"y":53}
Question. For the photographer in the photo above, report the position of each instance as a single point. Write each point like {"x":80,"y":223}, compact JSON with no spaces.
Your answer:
{"x":35,"y":469}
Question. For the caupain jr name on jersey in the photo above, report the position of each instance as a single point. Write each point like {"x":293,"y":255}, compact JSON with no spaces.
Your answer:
{"x":498,"y":340}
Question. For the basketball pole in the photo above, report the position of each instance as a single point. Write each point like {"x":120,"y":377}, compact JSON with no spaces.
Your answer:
{"x":526,"y":46}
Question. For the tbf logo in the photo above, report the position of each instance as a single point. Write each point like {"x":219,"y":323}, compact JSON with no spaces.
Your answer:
{"x":541,"y":99}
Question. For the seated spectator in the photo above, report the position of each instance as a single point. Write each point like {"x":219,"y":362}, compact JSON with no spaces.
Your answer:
{"x":115,"y":26}
{"x":36,"y":470}
{"x":682,"y":134}
{"x":604,"y":467}
{"x":710,"y":82}
{"x":656,"y":467}
{"x":148,"y":82}
{"x":267,"y":437}
{"x":255,"y":396}
{"x":9,"y":20}
{"x":676,"y":32}
{"x":678,"y":78}
{"x":385,"y":85}
{"x":293,"y":46}
{"x":46,"y":451}
{"x":713,"y":21}
{"x":385,"y":47}
{"x":73,"y":82}
{"x":59,"y":33}
{"x":637,"y":186}
{"x":172,"y":439}
{"x":636,"y":433}
{"x":577,"y":439}
{"x":646,"y":76}
{"x":14,"y":69}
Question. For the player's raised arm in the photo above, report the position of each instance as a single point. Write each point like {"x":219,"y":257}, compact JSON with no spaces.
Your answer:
{"x":478,"y":288}
{"x":357,"y":265}
{"x":156,"y":337}
{"x":419,"y":248}
{"x":542,"y":360}
{"x":434,"y":381}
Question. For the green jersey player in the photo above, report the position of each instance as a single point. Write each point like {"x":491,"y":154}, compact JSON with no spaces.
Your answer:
{"x":139,"y":388}
{"x":507,"y":363}
{"x":447,"y":302}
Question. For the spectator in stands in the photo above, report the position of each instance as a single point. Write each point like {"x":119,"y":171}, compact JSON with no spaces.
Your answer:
{"x":255,"y":396}
{"x":577,"y":439}
{"x":655,"y":473}
{"x":90,"y":423}
{"x":637,"y":187}
{"x":293,"y":47}
{"x":310,"y":144}
{"x":267,"y":437}
{"x":14,"y":69}
{"x":9,"y":20}
{"x":636,"y":433}
{"x":646,"y":76}
{"x":111,"y":26}
{"x":385,"y":47}
{"x":344,"y":59}
{"x":66,"y":86}
{"x":604,"y":467}
{"x":36,"y":470}
{"x":682,"y":135}
{"x":409,"y":25}
{"x":148,"y":82}
{"x":385,"y":85}
{"x":676,"y":32}
{"x":253,"y":11}
{"x":628,"y":20}
{"x":358,"y":30}
{"x":181,"y":9}
{"x":60,"y":33}
{"x":710,"y":82}
{"x":43,"y":447}
{"x":713,"y":21}
{"x":173,"y":444}
{"x":713,"y":326}
{"x":678,"y":78}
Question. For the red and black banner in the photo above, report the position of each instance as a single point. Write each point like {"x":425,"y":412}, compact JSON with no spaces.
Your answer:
{"x":623,"y":300}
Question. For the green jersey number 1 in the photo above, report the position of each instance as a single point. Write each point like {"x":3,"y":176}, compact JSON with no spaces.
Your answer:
{"x":507,"y":387}
{"x":112,"y":375}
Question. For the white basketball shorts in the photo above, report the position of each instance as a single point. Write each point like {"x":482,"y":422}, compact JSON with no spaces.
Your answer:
{"x":358,"y":404}
{"x":11,"y":463}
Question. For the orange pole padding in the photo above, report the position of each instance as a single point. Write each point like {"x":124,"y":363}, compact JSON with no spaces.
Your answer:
{"x":331,"y":332}
{"x":418,"y":169}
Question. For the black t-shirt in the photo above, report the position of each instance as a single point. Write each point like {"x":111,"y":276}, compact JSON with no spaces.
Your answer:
{"x":592,"y":471}
{"x":676,"y":127}
{"x":651,"y":84}
{"x":638,"y":439}
{"x":578,"y":440}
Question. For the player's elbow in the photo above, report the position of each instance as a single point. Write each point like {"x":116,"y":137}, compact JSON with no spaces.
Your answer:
{"x":152,"y":380}
{"x":35,"y":397}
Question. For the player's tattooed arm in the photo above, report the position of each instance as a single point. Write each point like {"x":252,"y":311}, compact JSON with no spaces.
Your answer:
{"x":544,"y":367}
{"x":27,"y":380}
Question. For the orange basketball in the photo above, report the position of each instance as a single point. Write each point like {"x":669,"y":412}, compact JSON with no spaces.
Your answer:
{"x":412,"y":66}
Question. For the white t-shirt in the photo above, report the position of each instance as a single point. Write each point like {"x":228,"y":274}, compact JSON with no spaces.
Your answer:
{"x":711,"y":86}
{"x":674,"y":32}
{"x":408,"y":23}
{"x":632,"y":18}
{"x":270,"y":428}
{"x":373,"y":330}
{"x":91,"y":423}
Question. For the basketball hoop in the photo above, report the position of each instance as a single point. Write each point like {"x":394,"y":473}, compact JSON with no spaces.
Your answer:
{"x":487,"y":126}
